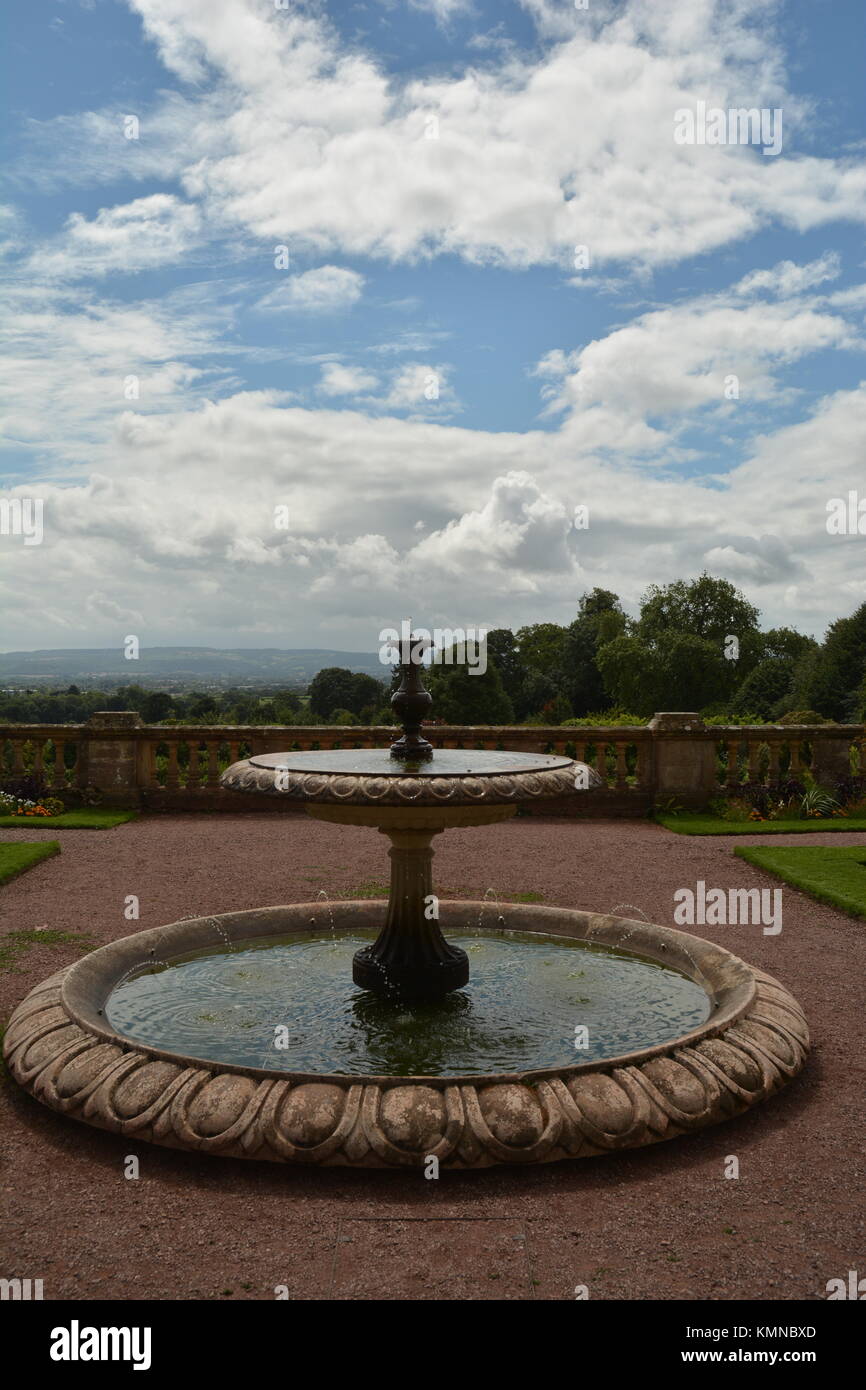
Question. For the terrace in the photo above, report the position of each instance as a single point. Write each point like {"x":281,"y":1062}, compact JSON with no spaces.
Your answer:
{"x":657,"y":1222}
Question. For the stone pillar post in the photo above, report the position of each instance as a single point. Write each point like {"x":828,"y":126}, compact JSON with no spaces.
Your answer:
{"x":831,"y":753}
{"x":112,"y":756}
{"x":684,"y":760}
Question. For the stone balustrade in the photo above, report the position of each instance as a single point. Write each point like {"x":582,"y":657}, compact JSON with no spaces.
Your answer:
{"x":675,"y":759}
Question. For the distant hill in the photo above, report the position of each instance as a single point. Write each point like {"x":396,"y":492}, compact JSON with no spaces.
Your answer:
{"x":170,"y":666}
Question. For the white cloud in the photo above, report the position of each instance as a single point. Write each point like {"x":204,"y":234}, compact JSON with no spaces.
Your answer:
{"x":787,"y":278}
{"x":338,"y":379}
{"x":324,"y":290}
{"x":416,"y":385}
{"x":184,"y":503}
{"x":442,"y":10}
{"x":181,"y":491}
{"x":519,"y":530}
{"x":74,"y":366}
{"x":303,"y":138}
{"x":153,"y":231}
{"x":289,"y":136}
{"x":621,"y":390}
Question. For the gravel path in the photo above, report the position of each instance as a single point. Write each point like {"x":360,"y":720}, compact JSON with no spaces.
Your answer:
{"x":656,"y":1223}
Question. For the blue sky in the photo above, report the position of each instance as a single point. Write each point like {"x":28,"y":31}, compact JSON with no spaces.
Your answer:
{"x":418,"y":263}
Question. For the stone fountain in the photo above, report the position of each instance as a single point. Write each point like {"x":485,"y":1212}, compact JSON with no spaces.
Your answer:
{"x":117,"y":1039}
{"x":410,"y":795}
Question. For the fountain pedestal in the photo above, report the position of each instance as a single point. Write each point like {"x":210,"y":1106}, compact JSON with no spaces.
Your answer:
{"x":410,"y":957}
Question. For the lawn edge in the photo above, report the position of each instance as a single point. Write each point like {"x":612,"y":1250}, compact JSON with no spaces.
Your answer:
{"x":707,"y":825}
{"x":47,"y":848}
{"x":822,"y":895}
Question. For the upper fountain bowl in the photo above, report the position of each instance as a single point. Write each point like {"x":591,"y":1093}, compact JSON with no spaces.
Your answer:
{"x":371,"y":777}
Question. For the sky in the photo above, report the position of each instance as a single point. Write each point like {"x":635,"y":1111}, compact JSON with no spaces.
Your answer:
{"x":322,"y":315}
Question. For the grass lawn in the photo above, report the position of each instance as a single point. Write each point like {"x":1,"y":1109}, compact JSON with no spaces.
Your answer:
{"x":835,"y":876}
{"x":93,"y":819}
{"x":698,"y":823}
{"x":17,"y":859}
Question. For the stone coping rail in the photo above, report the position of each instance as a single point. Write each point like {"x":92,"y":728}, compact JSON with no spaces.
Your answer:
{"x":674,"y":759}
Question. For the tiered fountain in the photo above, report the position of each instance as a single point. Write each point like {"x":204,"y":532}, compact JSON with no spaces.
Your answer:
{"x":573,"y":1034}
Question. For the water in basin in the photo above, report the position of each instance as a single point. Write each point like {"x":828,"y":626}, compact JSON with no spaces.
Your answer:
{"x":527,"y":996}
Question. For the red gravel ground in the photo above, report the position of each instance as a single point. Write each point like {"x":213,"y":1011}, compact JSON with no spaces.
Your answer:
{"x":661,"y":1222}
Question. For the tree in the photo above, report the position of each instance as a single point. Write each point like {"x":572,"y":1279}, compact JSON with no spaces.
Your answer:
{"x":705,"y":607}
{"x":811,"y":684}
{"x":534,"y":692}
{"x":678,"y":671}
{"x":764,"y":687}
{"x":599,"y":620}
{"x":330,"y":689}
{"x":787,"y":643}
{"x":462,"y":695}
{"x":127,"y":697}
{"x":502,"y":650}
{"x":155,"y":706}
{"x":203,"y":707}
{"x":366,"y":690}
{"x":541,"y":645}
{"x":844,"y":662}
{"x":629,"y":670}
{"x":337,"y":688}
{"x":677,"y":655}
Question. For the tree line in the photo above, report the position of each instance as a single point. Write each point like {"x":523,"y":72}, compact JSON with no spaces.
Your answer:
{"x":695,"y":645}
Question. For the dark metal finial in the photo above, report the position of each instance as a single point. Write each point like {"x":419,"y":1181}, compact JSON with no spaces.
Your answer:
{"x":411,"y":702}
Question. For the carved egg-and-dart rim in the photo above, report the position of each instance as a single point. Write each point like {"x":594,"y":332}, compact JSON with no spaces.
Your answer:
{"x":502,"y":782}
{"x":754,"y":1041}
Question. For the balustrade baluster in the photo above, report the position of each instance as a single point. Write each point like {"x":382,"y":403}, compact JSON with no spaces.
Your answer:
{"x":601,"y":761}
{"x":193,"y":770}
{"x":732,"y":778}
{"x":58,"y":780}
{"x":642,"y":768}
{"x":172,"y":773}
{"x":775,"y":754}
{"x":151,"y":770}
{"x":213,"y":762}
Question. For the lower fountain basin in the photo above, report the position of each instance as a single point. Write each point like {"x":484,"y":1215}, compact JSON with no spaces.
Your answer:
{"x":61,"y":1046}
{"x":284,"y":1005}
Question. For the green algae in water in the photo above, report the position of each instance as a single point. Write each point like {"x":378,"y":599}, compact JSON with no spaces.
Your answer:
{"x":526,"y":996}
